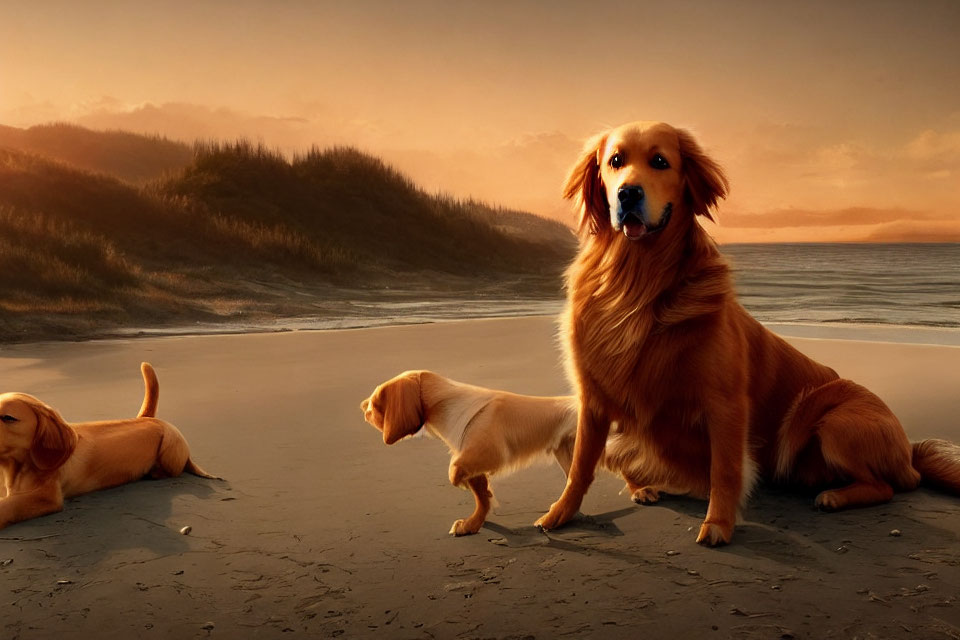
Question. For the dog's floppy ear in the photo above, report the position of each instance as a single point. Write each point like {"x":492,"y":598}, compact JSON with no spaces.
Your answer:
{"x":53,"y":441}
{"x":705,"y":180}
{"x":402,"y":408}
{"x":584,"y":186}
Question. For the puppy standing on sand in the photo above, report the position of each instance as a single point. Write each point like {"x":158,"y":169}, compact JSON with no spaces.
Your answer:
{"x":44,"y":460}
{"x":706,"y":397}
{"x":487,"y":431}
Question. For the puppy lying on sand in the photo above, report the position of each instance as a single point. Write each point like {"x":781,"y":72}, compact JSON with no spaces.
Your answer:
{"x":44,"y":460}
{"x":487,"y":431}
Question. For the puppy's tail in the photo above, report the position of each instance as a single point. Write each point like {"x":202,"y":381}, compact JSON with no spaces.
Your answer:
{"x":194,"y":468}
{"x":151,"y":391}
{"x":938,"y":462}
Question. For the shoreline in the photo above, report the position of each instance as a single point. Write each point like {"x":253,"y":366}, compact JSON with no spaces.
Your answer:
{"x":888,"y":333}
{"x":860,"y":332}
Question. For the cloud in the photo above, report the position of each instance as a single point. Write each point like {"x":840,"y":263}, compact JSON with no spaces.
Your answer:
{"x":29,"y":111}
{"x":189,"y":122}
{"x":928,"y":231}
{"x":901,"y":231}
{"x":825,"y":218}
{"x":839,"y":157}
{"x":938,"y":146}
{"x":856,"y":224}
{"x":779,"y":168}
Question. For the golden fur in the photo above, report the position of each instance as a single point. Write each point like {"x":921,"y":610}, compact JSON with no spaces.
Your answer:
{"x":487,"y":431}
{"x":706,"y":398}
{"x":45,"y":460}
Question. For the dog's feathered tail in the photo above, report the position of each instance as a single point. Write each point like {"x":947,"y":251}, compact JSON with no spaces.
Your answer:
{"x":938,"y":462}
{"x":151,"y":391}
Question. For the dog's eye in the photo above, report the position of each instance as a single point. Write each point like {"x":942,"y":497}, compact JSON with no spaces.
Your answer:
{"x":659,"y":162}
{"x":5,"y":419}
{"x":616,"y":161}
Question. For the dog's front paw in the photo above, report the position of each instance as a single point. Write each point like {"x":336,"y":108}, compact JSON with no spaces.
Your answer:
{"x":713,"y":534}
{"x":560,"y":513}
{"x":645,"y":495}
{"x":828,"y":501}
{"x":465,"y":527}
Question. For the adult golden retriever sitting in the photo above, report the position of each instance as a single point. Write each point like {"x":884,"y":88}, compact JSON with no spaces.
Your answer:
{"x":706,"y":398}
{"x":44,"y":460}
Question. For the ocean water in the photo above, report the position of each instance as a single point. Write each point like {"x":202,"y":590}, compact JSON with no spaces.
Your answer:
{"x":885,"y":284}
{"x":800,"y":290}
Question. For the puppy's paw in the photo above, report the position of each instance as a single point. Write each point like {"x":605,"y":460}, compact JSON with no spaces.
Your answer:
{"x":713,"y":534}
{"x":645,"y":495}
{"x":465,"y":527}
{"x":560,"y":513}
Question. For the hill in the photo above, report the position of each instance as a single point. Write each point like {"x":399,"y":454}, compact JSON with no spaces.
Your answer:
{"x":128,"y":156}
{"x":243,"y":232}
{"x":363,"y":213}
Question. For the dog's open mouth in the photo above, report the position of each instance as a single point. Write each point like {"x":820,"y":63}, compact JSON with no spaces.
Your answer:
{"x":634,"y":227}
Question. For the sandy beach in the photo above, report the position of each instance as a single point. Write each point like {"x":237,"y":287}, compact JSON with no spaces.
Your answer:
{"x":320,"y":530}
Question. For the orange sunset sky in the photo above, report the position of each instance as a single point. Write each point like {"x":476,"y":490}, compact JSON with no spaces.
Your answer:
{"x":835,"y":120}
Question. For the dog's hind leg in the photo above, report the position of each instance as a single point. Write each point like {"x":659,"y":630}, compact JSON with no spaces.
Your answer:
{"x":857,"y":494}
{"x":482,"y":494}
{"x":871,"y":462}
{"x":860,"y":441}
{"x":173,"y":457}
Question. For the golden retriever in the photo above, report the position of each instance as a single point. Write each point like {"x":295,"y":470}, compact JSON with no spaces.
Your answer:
{"x":706,"y":398}
{"x":487,"y":431}
{"x":45,"y":460}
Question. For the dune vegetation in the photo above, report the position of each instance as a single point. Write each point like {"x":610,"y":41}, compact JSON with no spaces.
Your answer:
{"x":240,"y":230}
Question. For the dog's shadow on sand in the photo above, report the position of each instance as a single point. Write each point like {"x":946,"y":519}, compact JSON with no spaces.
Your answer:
{"x":585,"y":534}
{"x":779,"y":525}
{"x":602,"y":525}
{"x":136,"y":520}
{"x":785,"y":526}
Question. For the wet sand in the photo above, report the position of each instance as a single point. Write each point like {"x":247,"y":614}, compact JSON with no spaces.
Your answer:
{"x":320,"y":530}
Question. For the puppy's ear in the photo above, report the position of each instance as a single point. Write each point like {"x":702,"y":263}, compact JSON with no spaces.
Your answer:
{"x":584,"y":186}
{"x":705,"y":180}
{"x":402,"y":408}
{"x":53,"y":441}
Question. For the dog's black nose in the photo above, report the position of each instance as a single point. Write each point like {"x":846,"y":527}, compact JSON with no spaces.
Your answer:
{"x":630,"y":197}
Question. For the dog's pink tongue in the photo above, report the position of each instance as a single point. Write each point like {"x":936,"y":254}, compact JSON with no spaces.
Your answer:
{"x":633,"y":229}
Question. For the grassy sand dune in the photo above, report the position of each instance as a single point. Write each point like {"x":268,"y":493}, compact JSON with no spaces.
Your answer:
{"x":242,"y":230}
